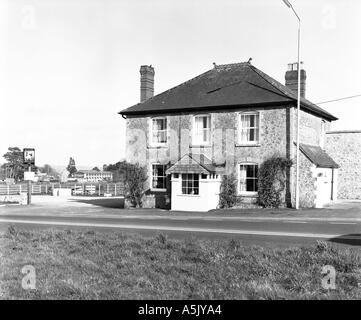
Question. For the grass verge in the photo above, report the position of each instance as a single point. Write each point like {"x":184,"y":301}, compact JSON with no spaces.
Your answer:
{"x":90,"y":265}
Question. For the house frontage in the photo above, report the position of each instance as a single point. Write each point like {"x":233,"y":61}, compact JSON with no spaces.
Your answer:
{"x":229,"y":119}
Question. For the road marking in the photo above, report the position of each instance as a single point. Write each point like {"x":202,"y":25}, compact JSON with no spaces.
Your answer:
{"x":290,"y":221}
{"x":342,"y":223}
{"x":183,"y":229}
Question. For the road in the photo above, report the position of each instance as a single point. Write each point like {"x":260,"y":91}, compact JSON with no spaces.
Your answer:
{"x":265,"y":232}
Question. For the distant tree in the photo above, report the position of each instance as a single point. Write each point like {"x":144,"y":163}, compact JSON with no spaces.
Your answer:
{"x":14,"y":165}
{"x":96,"y":169}
{"x":71,"y":167}
{"x":118,"y":170}
{"x":49,"y":170}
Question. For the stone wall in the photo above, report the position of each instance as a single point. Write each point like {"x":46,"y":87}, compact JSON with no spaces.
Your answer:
{"x":345,"y":148}
{"x":307,"y":183}
{"x":310,"y":128}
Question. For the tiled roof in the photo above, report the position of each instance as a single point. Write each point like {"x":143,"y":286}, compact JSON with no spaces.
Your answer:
{"x":192,"y":163}
{"x":229,"y":85}
{"x":318,"y":156}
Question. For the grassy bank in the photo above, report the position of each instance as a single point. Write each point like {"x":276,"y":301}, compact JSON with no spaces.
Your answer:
{"x":90,"y":265}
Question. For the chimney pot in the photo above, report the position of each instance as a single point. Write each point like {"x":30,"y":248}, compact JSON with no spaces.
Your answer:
{"x":146,"y":82}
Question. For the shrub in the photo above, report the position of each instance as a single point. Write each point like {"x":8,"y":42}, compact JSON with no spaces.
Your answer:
{"x":228,"y":195}
{"x":272,"y":181}
{"x":135,"y":177}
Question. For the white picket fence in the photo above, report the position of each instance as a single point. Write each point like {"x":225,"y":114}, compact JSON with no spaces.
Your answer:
{"x":101,"y":189}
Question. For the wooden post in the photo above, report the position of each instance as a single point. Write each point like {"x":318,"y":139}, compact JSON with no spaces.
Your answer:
{"x":115,"y":189}
{"x":99,"y":190}
{"x":29,"y":187}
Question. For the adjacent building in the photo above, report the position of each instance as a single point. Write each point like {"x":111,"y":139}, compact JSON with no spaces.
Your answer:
{"x":345,"y":148}
{"x":92,"y":176}
{"x":227,"y":120}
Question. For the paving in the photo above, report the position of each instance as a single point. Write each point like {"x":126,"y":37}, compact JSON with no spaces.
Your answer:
{"x":340,"y":223}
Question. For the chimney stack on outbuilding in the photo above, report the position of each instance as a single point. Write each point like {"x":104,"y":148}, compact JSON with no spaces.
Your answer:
{"x":146,"y":82}
{"x":292,"y":78}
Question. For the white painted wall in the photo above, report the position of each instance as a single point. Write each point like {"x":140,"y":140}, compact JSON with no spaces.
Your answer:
{"x":207,"y":199}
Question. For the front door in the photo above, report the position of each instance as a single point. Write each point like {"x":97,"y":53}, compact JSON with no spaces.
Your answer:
{"x":323,"y":186}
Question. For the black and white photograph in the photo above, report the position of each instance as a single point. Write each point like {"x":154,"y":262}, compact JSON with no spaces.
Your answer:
{"x":180,"y":155}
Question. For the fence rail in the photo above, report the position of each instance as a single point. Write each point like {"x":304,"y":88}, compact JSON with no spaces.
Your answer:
{"x":101,"y":189}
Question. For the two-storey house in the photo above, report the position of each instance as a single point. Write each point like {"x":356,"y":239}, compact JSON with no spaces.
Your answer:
{"x":227,"y":120}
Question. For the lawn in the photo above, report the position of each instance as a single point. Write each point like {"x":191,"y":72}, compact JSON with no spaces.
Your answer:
{"x":73,"y":264}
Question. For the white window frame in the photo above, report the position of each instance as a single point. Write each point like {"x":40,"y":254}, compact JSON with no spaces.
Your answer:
{"x":245,"y":193}
{"x":181,"y":186}
{"x":154,"y":143}
{"x":240,"y":128}
{"x":195,"y":136}
{"x":152,"y":176}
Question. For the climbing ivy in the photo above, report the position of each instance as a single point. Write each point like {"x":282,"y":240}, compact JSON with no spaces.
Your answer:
{"x":228,"y":194}
{"x":272,"y":181}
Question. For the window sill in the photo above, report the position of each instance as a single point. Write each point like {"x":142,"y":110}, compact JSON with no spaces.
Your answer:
{"x":248,"y":194}
{"x":161,"y":146}
{"x":248,"y":144}
{"x":189,"y":195}
{"x":158,"y":190}
{"x":206,"y":145}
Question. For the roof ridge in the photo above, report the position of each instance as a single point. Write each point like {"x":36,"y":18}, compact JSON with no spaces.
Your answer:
{"x":264,"y":77}
{"x":231,"y":64}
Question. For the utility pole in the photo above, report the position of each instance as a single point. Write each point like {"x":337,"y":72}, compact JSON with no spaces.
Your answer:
{"x":289,"y":5}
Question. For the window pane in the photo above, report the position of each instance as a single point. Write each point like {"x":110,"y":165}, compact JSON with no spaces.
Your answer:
{"x":248,"y":178}
{"x":251,"y":120}
{"x":250,"y":185}
{"x":248,"y":127}
{"x":158,"y":176}
{"x":159,"y":130}
{"x":251,"y":135}
{"x":201,"y":132}
{"x":190,"y":183}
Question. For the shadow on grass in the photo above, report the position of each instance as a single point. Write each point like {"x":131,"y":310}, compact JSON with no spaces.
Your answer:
{"x":349,"y":239}
{"x":115,"y":203}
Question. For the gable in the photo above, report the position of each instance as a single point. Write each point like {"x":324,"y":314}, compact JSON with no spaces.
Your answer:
{"x":192,"y":163}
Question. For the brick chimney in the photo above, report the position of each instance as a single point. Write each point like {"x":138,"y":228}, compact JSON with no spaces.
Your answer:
{"x":292,"y":78}
{"x":146,"y":82}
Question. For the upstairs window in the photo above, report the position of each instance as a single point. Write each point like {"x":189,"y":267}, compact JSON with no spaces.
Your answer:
{"x":202,"y":129}
{"x":158,"y":131}
{"x":190,"y":183}
{"x":158,"y":176}
{"x":248,"y":178}
{"x":249,"y":128}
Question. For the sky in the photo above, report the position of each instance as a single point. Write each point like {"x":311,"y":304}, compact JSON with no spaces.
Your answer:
{"x":67,"y":67}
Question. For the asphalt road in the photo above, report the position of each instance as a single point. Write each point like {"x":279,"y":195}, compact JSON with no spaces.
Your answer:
{"x":258,"y":232}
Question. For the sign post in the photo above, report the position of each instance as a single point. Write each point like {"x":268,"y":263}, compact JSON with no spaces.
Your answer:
{"x":29,"y":159}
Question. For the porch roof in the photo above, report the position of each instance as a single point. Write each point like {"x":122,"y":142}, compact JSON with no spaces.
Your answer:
{"x":192,"y":163}
{"x":318,"y":156}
